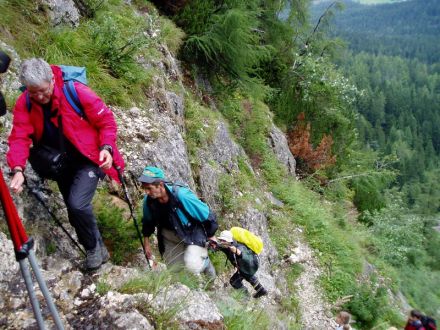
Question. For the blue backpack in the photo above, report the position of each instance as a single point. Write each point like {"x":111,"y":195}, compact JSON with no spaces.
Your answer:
{"x":70,"y":75}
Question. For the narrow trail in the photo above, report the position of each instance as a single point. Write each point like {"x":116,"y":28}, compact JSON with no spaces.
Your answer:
{"x":315,"y":311}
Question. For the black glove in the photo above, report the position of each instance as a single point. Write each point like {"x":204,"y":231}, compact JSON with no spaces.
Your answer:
{"x":4,"y":62}
{"x":2,"y":105}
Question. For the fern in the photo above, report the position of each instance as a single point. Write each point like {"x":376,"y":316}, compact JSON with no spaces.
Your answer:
{"x":229,"y":45}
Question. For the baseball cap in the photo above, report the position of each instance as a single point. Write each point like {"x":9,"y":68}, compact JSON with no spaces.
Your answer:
{"x":152,"y":174}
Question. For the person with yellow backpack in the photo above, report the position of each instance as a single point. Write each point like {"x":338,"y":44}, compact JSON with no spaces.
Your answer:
{"x":242,"y":248}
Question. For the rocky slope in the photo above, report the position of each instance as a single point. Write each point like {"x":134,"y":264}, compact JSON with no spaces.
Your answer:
{"x":151,"y":134}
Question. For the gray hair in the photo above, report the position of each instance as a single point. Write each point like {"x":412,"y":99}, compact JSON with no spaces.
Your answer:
{"x":35,"y":71}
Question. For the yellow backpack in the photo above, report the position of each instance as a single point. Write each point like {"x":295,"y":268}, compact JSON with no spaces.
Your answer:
{"x":252,"y":241}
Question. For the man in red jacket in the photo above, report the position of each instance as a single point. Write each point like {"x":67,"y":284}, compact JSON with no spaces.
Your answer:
{"x":89,"y":142}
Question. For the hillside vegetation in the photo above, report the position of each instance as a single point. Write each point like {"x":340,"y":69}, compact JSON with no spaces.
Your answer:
{"x":260,"y":68}
{"x":393,"y":60}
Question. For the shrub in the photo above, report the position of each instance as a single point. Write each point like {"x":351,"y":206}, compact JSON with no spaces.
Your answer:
{"x":223,"y":38}
{"x":367,"y":304}
{"x":116,"y":44}
{"x":119,"y":235}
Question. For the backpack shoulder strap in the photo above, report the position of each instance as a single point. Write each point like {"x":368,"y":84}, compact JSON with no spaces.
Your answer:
{"x":28,"y":102}
{"x":175,"y":192}
{"x":72,"y":97}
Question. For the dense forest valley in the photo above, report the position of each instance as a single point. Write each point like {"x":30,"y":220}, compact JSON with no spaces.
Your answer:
{"x":355,"y":88}
{"x":392,"y":56}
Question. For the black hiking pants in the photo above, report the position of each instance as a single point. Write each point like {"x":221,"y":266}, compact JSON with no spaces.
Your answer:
{"x":237,"y":280}
{"x":78,"y":187}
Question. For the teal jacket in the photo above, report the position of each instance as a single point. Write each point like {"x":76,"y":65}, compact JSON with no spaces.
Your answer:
{"x":192,"y":219}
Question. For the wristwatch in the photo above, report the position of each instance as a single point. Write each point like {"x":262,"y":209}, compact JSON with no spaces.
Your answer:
{"x":107,"y":147}
{"x":15,"y":170}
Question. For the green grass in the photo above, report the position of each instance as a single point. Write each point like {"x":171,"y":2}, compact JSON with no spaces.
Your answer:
{"x":21,"y":24}
{"x":289,"y":303}
{"x":171,"y":35}
{"x":118,"y":232}
{"x":219,"y":261}
{"x":339,"y":247}
{"x":417,"y":284}
{"x":107,"y":45}
{"x":237,"y":316}
{"x":155,"y":283}
{"x":200,"y":124}
{"x":102,"y":287}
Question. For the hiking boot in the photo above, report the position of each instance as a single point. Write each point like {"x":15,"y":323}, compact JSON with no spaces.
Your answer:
{"x":260,"y":293}
{"x":104,"y":252}
{"x":94,"y":258}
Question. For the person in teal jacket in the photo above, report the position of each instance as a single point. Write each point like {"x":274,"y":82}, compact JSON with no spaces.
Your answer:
{"x":184,"y":223}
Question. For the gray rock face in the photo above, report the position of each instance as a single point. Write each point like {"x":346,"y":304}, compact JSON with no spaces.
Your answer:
{"x":119,"y":311}
{"x":9,"y":85}
{"x":224,"y":150}
{"x":194,"y":309}
{"x":63,"y":12}
{"x":278,"y":142}
{"x":9,"y":82}
{"x":220,"y":158}
{"x":116,"y":276}
{"x":67,"y":288}
{"x":131,"y":320}
{"x":154,"y":138}
{"x":9,"y":267}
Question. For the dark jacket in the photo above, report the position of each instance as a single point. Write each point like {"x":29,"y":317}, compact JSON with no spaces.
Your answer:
{"x":246,"y":263}
{"x":192,"y":220}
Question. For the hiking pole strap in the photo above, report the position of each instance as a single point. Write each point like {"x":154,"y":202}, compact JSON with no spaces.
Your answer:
{"x":45,"y":291}
{"x":30,"y":289}
{"x":130,"y":206}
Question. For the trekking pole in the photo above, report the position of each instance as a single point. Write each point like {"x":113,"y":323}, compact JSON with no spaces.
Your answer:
{"x":130,"y":206}
{"x":23,"y":249}
{"x":39,"y":198}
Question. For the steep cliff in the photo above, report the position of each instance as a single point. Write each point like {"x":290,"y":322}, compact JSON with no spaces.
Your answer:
{"x":159,"y":132}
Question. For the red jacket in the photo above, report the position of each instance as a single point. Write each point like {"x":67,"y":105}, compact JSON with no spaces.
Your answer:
{"x":87,"y":135}
{"x":410,"y":326}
